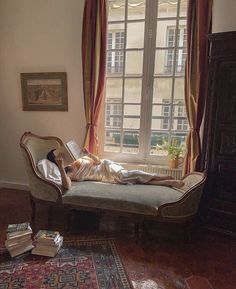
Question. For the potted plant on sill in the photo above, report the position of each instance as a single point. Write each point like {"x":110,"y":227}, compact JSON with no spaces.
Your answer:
{"x":174,"y":152}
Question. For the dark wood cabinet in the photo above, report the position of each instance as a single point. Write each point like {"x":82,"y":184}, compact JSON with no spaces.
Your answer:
{"x":219,"y":140}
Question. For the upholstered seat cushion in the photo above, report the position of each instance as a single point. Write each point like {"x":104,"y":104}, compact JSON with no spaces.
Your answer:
{"x":139,"y":199}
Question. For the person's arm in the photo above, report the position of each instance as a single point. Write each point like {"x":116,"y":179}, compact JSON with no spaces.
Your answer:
{"x":66,"y":181}
{"x":95,"y":158}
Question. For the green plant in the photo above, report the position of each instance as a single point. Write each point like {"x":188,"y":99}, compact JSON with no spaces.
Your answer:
{"x":173,"y":149}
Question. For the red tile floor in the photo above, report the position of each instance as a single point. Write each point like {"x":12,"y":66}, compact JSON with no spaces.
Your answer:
{"x":160,"y":262}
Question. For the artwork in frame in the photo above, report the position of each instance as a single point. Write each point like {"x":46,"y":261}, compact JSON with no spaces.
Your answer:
{"x":44,"y":91}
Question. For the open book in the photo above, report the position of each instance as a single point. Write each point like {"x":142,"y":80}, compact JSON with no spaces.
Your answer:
{"x":71,"y":152}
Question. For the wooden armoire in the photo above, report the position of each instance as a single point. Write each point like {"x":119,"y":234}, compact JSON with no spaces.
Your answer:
{"x":219,"y":140}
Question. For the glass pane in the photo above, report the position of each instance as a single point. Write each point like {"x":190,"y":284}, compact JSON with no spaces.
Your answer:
{"x":115,"y":62}
{"x":162,"y":90}
{"x":180,"y":61}
{"x":179,"y":110}
{"x":131,"y":142}
{"x":165,"y":36}
{"x":116,"y":10}
{"x":179,"y":89}
{"x":132,"y":110}
{"x":164,"y":61}
{"x":115,"y":36}
{"x":113,"y":115}
{"x":167,"y":8}
{"x":114,"y":89}
{"x":179,"y":138}
{"x":133,"y":89}
{"x":134,"y":63}
{"x":112,"y":140}
{"x":161,"y":117}
{"x":130,"y":122}
{"x":182,"y":34}
{"x":157,"y":141}
{"x":183,"y":8}
{"x":136,"y":9}
{"x":135,"y":35}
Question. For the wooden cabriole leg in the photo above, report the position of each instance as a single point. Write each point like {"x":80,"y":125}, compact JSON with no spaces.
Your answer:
{"x":50,"y":212}
{"x":33,"y":212}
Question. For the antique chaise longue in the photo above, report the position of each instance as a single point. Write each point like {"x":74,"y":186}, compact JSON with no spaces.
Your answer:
{"x":140,"y":201}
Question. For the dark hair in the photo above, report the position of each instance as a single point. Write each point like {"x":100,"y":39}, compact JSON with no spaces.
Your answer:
{"x":51,"y":157}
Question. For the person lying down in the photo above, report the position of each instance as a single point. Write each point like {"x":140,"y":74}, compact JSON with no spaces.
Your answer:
{"x":91,"y":168}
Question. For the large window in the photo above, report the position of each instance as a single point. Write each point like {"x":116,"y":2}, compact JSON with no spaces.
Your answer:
{"x":146,"y":54}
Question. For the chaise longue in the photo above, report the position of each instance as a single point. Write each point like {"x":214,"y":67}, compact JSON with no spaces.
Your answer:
{"x":143,"y":202}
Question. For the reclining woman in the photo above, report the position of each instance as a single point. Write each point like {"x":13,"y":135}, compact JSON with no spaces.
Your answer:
{"x":91,"y":168}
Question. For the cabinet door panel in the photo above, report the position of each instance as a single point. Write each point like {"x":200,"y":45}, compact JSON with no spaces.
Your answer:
{"x":225,"y":182}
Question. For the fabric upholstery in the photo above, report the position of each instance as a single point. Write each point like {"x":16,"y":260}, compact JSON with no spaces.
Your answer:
{"x":39,"y":189}
{"x":198,"y":26}
{"x":94,"y":40}
{"x":139,"y":199}
{"x":150,"y":200}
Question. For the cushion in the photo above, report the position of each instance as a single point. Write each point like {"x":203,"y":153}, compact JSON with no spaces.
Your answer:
{"x":49,"y":171}
{"x":138,"y":198}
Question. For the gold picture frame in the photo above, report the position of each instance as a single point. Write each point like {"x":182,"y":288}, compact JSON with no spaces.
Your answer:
{"x":44,"y":91}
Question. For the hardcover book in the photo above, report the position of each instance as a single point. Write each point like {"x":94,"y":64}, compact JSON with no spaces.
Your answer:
{"x":17,"y":227}
{"x":47,"y":235}
{"x":49,"y":251}
{"x":19,"y":234}
{"x":20,"y":250}
{"x":71,"y":152}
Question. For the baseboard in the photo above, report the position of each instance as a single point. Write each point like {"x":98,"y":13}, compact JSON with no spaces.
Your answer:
{"x":16,"y":186}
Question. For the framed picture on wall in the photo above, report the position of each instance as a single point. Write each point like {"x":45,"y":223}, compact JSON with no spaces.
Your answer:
{"x":44,"y":91}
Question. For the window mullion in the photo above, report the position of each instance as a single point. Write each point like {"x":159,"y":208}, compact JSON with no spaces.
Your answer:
{"x":123,"y":75}
{"x":176,"y":44}
{"x":148,"y":71}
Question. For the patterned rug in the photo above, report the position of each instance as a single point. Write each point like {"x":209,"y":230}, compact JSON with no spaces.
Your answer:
{"x":88,"y":264}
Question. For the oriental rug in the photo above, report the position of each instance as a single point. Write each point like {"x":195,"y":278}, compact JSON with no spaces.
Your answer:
{"x":87,"y":264}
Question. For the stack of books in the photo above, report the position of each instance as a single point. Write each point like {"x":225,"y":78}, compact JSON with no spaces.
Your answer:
{"x":47,"y":243}
{"x":19,"y":239}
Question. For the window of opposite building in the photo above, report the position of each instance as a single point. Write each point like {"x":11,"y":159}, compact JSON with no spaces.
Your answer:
{"x":144,"y":104}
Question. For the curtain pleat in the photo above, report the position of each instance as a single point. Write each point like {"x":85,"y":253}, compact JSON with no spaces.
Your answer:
{"x":94,"y":38}
{"x":198,"y":26}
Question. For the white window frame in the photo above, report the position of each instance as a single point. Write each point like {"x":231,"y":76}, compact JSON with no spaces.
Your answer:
{"x":147,"y":87}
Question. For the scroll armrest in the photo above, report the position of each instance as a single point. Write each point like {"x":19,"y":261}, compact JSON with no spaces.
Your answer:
{"x":188,"y":204}
{"x":45,"y":190}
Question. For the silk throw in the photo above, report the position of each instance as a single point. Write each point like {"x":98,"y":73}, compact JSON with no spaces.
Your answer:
{"x":94,"y":37}
{"x":198,"y":26}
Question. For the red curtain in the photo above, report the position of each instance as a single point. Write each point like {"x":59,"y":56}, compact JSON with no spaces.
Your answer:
{"x":94,"y":40}
{"x":198,"y":26}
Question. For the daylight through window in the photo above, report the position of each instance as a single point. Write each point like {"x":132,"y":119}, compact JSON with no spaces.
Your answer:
{"x":146,"y":51}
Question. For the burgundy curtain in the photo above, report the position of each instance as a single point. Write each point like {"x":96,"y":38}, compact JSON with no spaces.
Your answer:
{"x":198,"y":26}
{"x":94,"y":40}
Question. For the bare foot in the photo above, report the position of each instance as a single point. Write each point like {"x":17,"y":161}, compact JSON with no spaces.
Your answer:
{"x":177,"y":184}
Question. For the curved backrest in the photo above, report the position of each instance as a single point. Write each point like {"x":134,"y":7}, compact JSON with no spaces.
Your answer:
{"x":35,"y":148}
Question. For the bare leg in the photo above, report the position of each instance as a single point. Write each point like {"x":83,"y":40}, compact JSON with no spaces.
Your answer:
{"x":164,"y":178}
{"x":168,"y":182}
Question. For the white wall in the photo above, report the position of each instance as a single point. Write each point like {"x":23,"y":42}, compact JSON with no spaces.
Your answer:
{"x":38,"y":36}
{"x":224,"y":16}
